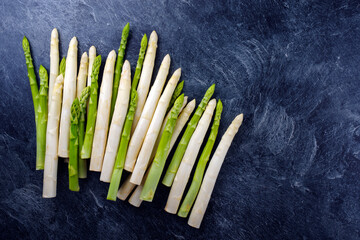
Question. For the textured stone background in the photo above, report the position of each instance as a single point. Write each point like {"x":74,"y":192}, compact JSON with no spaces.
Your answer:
{"x":292,"y":67}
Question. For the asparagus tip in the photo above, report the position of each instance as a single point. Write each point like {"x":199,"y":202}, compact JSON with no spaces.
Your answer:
{"x":144,"y":41}
{"x":153,"y":36}
{"x":54,"y":33}
{"x":126,"y":28}
{"x":25,"y":43}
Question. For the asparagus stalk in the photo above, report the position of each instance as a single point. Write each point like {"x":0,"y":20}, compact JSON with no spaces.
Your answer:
{"x":91,"y":116}
{"x":68,"y":97}
{"x":139,"y":64}
{"x":154,"y":129}
{"x":42,"y":112}
{"x":92,"y":56}
{"x":102,"y":119}
{"x":180,"y":150}
{"x":200,"y":168}
{"x":83,"y":102}
{"x":135,"y":197}
{"x":119,"y":66}
{"x":157,"y":166}
{"x":202,"y":200}
{"x":31,"y":75}
{"x":81,"y":78}
{"x":146,"y":115}
{"x":62,"y":67}
{"x":127,"y":187}
{"x":117,"y":123}
{"x":163,"y":127}
{"x":52,"y":138}
{"x":125,"y":136}
{"x":145,"y":78}
{"x":177,"y":92}
{"x":54,"y":61}
{"x":186,"y":165}
{"x":121,"y":154}
{"x":74,"y":146}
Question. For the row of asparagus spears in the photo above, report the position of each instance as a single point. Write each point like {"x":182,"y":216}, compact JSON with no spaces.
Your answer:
{"x":126,"y":126}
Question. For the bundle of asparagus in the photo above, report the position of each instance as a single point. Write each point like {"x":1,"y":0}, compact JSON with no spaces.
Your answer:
{"x":127,"y":127}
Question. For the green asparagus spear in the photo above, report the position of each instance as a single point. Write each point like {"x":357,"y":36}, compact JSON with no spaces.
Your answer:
{"x":118,"y":67}
{"x":157,"y":166}
{"x":91,"y":117}
{"x":42,"y":114}
{"x":85,"y":93}
{"x":31,"y":75}
{"x":140,"y":61}
{"x":74,"y":146}
{"x":180,"y":150}
{"x":121,"y":154}
{"x":175,"y":95}
{"x":125,"y":136}
{"x":62,"y":66}
{"x":200,"y":168}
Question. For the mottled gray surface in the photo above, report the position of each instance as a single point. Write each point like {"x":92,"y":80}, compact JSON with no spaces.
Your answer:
{"x":292,"y":67}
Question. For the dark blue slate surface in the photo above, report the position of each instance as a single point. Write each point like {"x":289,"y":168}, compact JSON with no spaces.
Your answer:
{"x":292,"y":67}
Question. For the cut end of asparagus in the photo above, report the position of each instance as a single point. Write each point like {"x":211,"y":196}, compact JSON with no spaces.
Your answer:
{"x":111,"y":198}
{"x":184,"y":214}
{"x":148,"y":196}
{"x":54,"y":33}
{"x":168,"y":179}
{"x":40,"y":167}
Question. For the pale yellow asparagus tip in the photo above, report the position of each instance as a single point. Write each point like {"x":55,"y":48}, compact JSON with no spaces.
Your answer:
{"x":54,"y":33}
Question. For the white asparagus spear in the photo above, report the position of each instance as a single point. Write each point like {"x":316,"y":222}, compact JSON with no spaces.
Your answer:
{"x":103,"y":114}
{"x":154,"y":129}
{"x":68,"y":98}
{"x":135,"y":196}
{"x":212,"y":173}
{"x":117,"y":122}
{"x":125,"y":189}
{"x":147,"y":114}
{"x":82,"y":75}
{"x":145,"y":78}
{"x":52,"y":138}
{"x":189,"y":158}
{"x":92,"y":56}
{"x":127,"y":186}
{"x":54,"y":62}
